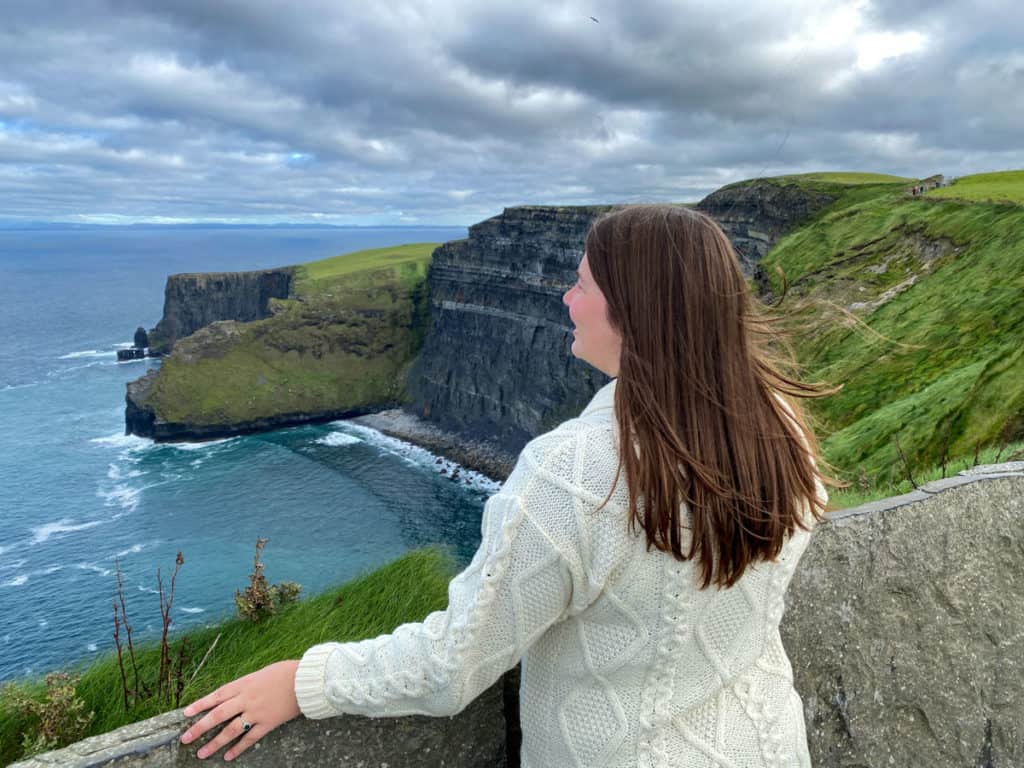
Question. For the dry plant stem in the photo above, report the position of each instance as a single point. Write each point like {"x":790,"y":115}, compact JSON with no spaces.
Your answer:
{"x":945,"y":450}
{"x":164,"y":675}
{"x":140,"y":687}
{"x":205,"y":657}
{"x":120,"y":657}
{"x":1004,"y":439}
{"x":179,"y":672}
{"x":906,"y":464}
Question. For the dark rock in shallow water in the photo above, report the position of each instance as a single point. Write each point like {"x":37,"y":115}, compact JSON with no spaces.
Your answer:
{"x":141,"y":338}
{"x":130,"y":354}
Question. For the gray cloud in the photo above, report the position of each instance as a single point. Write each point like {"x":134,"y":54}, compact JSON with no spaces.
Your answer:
{"x":356,"y":112}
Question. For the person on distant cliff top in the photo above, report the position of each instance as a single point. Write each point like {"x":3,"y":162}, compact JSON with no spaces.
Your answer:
{"x":642,"y":588}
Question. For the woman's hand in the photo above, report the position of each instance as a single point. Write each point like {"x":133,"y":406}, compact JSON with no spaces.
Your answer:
{"x":262,"y":700}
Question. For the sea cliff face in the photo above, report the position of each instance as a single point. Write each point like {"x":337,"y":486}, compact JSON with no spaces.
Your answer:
{"x":496,"y":363}
{"x":193,"y":301}
{"x":756,"y":214}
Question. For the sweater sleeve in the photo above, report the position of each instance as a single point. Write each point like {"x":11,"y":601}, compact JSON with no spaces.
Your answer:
{"x":518,"y":584}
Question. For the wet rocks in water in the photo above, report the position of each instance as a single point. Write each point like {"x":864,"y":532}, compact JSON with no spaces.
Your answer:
{"x":141,"y":338}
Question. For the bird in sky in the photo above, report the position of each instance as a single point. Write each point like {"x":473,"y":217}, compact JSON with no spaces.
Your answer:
{"x":594,"y":20}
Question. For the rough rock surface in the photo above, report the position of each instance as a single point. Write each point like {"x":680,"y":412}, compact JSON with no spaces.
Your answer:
{"x":905,"y":627}
{"x":496,"y":364}
{"x":756,"y":214}
{"x":193,"y":301}
{"x":474,"y":738}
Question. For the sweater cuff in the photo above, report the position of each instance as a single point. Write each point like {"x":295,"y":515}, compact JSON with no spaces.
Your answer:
{"x":309,"y":682}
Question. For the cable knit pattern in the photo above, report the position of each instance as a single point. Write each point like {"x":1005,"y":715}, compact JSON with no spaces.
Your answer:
{"x":625,"y":661}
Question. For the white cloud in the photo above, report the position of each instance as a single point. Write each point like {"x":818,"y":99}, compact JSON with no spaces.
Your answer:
{"x":247,"y":109}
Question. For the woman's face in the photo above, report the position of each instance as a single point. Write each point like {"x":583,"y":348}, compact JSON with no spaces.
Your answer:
{"x":594,"y":339}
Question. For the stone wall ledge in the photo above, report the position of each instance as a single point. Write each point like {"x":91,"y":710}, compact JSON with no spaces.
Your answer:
{"x":474,"y":738}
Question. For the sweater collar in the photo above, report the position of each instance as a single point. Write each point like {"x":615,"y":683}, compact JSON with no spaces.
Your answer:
{"x":603,"y":399}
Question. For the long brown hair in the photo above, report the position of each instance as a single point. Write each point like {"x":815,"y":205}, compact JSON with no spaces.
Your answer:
{"x":701,"y":374}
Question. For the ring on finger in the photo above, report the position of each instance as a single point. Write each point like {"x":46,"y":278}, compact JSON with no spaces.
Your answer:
{"x":246,"y":725}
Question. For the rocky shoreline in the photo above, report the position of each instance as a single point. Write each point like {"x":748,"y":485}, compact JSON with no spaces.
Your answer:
{"x":476,"y":455}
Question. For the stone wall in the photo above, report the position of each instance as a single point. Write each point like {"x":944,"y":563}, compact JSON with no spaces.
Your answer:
{"x":904,"y":626}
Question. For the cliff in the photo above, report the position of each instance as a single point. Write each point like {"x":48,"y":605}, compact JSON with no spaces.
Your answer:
{"x":756,"y":214}
{"x":338,"y":345}
{"x":496,"y":364}
{"x":193,"y":301}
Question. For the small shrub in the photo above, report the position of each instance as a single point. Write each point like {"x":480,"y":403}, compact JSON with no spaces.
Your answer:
{"x":59,"y":719}
{"x":261,"y":600}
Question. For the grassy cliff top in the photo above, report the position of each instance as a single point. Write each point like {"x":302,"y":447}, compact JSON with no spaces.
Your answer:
{"x":846,"y":178}
{"x":1001,"y":186}
{"x":362,"y":261}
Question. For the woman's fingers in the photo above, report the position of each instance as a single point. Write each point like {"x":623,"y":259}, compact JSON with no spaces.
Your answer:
{"x":225,"y":711}
{"x":227,"y":734}
{"x":211,"y":700}
{"x":257,"y":733}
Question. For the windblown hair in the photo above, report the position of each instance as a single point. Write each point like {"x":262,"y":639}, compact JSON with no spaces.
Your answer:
{"x":701,"y":385}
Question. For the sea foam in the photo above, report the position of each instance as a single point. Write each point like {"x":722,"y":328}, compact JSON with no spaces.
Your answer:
{"x":337,"y":439}
{"x":84,"y":353}
{"x":64,"y":525}
{"x":121,"y":440}
{"x":419,"y":457}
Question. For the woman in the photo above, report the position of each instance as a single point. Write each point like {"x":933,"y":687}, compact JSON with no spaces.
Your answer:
{"x":645,"y":612}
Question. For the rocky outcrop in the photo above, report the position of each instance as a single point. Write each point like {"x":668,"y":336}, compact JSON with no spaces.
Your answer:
{"x":903,"y":626}
{"x":496,"y":364}
{"x":193,"y":301}
{"x":756,"y":214}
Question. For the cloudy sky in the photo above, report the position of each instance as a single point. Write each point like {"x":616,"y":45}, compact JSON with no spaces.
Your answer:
{"x":445,"y":112}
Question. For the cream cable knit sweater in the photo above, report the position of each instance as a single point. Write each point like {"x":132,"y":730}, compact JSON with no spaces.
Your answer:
{"x":625,"y":661}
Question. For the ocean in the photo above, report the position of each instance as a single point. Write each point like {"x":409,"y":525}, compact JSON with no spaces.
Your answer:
{"x":77,"y":495}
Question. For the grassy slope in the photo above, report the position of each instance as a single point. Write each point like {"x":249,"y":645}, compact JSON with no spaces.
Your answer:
{"x":1002,"y":186}
{"x":405,"y":590}
{"x":846,"y":178}
{"x":942,"y":359}
{"x":343,"y":340}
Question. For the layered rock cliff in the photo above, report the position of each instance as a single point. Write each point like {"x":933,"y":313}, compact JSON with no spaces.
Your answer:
{"x":193,"y":301}
{"x":496,"y":363}
{"x":756,"y":214}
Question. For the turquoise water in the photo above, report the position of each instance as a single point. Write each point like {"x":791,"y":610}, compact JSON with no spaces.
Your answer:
{"x":76,"y":494}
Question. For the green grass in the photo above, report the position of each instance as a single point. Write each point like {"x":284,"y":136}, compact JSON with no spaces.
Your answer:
{"x":846,"y":178}
{"x":1001,"y":186}
{"x":857,"y":494}
{"x":915,"y":309}
{"x":405,"y":590}
{"x":416,"y":255}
